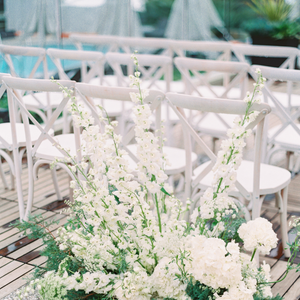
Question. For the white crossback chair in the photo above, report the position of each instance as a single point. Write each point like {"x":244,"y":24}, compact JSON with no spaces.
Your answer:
{"x":40,"y":143}
{"x":286,"y":135}
{"x":287,"y":54}
{"x":91,"y":63}
{"x":122,"y":44}
{"x":107,"y":43}
{"x":31,"y":62}
{"x":91,"y":66}
{"x":7,"y":146}
{"x":152,"y":69}
{"x":213,"y":124}
{"x":175,"y":156}
{"x":254,"y":180}
{"x":216,"y":50}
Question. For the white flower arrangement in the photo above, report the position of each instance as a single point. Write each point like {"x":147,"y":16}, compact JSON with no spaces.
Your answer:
{"x":126,"y":238}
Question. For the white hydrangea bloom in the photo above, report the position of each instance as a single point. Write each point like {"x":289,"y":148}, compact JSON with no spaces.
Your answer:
{"x":258,"y":234}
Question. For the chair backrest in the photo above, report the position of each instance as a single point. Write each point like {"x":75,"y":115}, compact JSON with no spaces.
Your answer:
{"x":181,"y":48}
{"x":288,"y":54}
{"x":2,"y":91}
{"x":88,"y":92}
{"x":179,"y":102}
{"x":92,"y":63}
{"x":25,"y":61}
{"x":14,"y":86}
{"x":152,"y":68}
{"x":122,"y":44}
{"x":288,"y":114}
{"x":190,"y":69}
{"x":217,"y":50}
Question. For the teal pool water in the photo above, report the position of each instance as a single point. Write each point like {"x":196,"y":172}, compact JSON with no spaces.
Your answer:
{"x":24,"y":64}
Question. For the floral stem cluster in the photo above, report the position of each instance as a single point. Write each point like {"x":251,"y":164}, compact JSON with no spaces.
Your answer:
{"x":125,"y":239}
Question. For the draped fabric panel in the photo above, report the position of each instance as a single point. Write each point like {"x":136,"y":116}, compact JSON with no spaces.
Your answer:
{"x":112,"y":17}
{"x":193,"y":20}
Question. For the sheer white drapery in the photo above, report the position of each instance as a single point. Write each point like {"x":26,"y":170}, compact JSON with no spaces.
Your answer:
{"x":113,"y":17}
{"x":193,"y":20}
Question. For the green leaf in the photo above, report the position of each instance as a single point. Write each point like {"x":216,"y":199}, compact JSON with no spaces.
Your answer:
{"x":164,"y":191}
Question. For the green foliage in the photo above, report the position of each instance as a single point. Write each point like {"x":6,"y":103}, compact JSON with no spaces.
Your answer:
{"x":274,"y":21}
{"x":232,"y":226}
{"x":258,"y":27}
{"x":278,"y":297}
{"x":271,"y":10}
{"x":199,"y":291}
{"x":234,"y":12}
{"x":3,"y":101}
{"x":36,"y":228}
{"x":277,"y":30}
{"x":286,"y":29}
{"x":77,"y":295}
{"x":156,"y":10}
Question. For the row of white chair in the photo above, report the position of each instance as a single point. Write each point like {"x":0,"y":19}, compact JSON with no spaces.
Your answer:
{"x":155,"y":66}
{"x":255,"y":180}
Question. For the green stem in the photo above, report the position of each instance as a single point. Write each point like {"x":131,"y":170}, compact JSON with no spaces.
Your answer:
{"x":253,"y":254}
{"x":219,"y":185}
{"x":158,"y":213}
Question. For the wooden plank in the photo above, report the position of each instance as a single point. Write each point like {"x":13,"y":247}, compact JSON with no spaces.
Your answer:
{"x":9,"y":267}
{"x":14,"y":285}
{"x":294,"y":291}
{"x":15,"y":237}
{"x":28,"y":248}
{"x":17,"y":273}
{"x":278,"y":270}
{"x":32,"y":246}
{"x":12,"y":218}
{"x":38,"y":261}
{"x":39,"y":184}
{"x":4,"y":261}
{"x":282,"y":287}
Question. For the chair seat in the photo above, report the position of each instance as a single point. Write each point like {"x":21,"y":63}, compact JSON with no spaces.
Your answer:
{"x":39,"y":100}
{"x":49,"y":152}
{"x":272,"y":179}
{"x":288,"y":138}
{"x":6,"y":134}
{"x":212,"y":125}
{"x":176,"y":157}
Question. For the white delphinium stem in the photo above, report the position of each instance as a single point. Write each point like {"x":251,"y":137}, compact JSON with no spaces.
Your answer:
{"x":151,"y":160}
{"x":215,"y":203}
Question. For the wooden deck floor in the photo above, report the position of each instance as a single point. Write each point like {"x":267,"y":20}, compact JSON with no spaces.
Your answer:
{"x":19,"y":255}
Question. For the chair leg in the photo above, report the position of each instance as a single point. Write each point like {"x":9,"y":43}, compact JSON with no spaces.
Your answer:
{"x":55,"y":183}
{"x":2,"y":175}
{"x":283,"y":220}
{"x":288,"y":159}
{"x":12,"y":177}
{"x":256,"y":206}
{"x":18,"y":178}
{"x":30,"y":188}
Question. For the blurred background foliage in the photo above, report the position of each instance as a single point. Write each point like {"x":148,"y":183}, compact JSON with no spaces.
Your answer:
{"x":237,"y":16}
{"x":233,"y":12}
